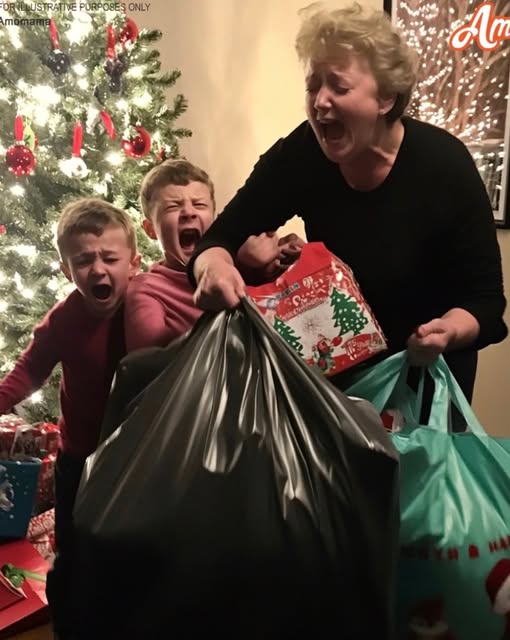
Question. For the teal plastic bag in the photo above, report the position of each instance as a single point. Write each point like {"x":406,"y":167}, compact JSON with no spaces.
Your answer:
{"x":454,"y":566}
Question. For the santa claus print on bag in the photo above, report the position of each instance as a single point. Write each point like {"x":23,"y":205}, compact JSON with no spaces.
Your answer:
{"x":427,"y":622}
{"x":497,"y":585}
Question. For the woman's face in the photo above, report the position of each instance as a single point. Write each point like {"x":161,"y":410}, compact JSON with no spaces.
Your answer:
{"x":344,"y":107}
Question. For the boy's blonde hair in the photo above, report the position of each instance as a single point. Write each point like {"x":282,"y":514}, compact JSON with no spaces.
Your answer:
{"x":180,"y":172}
{"x":92,"y":215}
{"x":329,"y":33}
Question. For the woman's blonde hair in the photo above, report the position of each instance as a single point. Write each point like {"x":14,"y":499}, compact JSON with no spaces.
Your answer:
{"x":330,"y":33}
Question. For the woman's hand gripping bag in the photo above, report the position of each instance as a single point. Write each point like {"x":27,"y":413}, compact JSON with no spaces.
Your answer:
{"x":241,"y":494}
{"x":454,"y":568}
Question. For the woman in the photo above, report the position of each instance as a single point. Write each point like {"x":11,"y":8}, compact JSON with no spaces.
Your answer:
{"x":399,"y":200}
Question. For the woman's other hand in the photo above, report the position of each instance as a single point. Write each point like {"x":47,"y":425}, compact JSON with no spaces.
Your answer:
{"x":456,"y":329}
{"x":429,"y":341}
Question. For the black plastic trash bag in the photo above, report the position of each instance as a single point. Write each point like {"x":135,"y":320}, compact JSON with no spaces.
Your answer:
{"x":242,"y":494}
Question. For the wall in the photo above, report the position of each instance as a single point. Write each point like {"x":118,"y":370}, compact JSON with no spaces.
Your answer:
{"x":240,"y":75}
{"x":245,"y":89}
{"x":492,"y":392}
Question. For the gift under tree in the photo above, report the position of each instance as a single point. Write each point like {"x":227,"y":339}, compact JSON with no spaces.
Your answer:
{"x":83,"y":113}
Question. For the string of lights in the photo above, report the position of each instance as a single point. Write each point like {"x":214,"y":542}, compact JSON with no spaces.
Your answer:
{"x":464,"y":92}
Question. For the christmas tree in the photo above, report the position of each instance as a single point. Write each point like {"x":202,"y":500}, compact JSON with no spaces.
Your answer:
{"x":83,"y":113}
{"x":287,"y":333}
{"x":347,"y":313}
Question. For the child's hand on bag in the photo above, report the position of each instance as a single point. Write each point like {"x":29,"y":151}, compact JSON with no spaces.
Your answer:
{"x":259,"y":251}
{"x":290,"y":249}
{"x":264,"y":257}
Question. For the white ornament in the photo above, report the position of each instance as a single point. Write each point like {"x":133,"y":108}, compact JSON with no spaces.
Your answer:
{"x":93,"y":119}
{"x":74,"y":168}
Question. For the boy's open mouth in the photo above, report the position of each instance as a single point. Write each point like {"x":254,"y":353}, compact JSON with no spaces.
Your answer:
{"x":188,"y":238}
{"x":101,"y":291}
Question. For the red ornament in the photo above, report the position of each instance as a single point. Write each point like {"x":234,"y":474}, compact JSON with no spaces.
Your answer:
{"x":3,"y":229}
{"x":138,"y":144}
{"x":20,"y":159}
{"x":129,"y":33}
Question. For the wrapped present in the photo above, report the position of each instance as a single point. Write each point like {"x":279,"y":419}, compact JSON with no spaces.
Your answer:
{"x":11,"y":421}
{"x":318,"y":308}
{"x":6,"y":442}
{"x":27,"y":442}
{"x":9,"y":593}
{"x":45,"y":497}
{"x":41,"y":533}
{"x":50,"y":436}
{"x":44,"y":523}
{"x":18,"y":487}
{"x":8,"y":425}
{"x":25,"y":570}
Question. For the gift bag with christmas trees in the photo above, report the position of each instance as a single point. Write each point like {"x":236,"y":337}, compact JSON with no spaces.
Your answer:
{"x":318,"y":309}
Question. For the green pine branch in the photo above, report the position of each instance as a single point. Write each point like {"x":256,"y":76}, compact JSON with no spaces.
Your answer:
{"x":30,"y":285}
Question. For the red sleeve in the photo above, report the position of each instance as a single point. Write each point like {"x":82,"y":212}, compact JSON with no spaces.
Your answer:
{"x":144,"y":320}
{"x":33,"y":366}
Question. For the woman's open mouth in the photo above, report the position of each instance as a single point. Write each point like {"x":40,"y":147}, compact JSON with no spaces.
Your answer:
{"x":332,"y":131}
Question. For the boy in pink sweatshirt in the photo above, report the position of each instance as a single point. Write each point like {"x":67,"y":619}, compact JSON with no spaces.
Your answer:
{"x":177,"y":200}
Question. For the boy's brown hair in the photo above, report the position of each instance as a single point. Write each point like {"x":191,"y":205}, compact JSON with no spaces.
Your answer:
{"x":92,"y":215}
{"x":180,"y":172}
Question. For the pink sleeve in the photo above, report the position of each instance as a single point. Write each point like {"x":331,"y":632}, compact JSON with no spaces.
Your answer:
{"x":32,"y":368}
{"x":144,"y":320}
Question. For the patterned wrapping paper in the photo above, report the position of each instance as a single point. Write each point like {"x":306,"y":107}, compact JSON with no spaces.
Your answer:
{"x":319,"y":310}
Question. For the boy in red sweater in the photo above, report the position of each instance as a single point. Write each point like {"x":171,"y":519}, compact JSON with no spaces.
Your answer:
{"x":84,"y":332}
{"x":177,"y":199}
